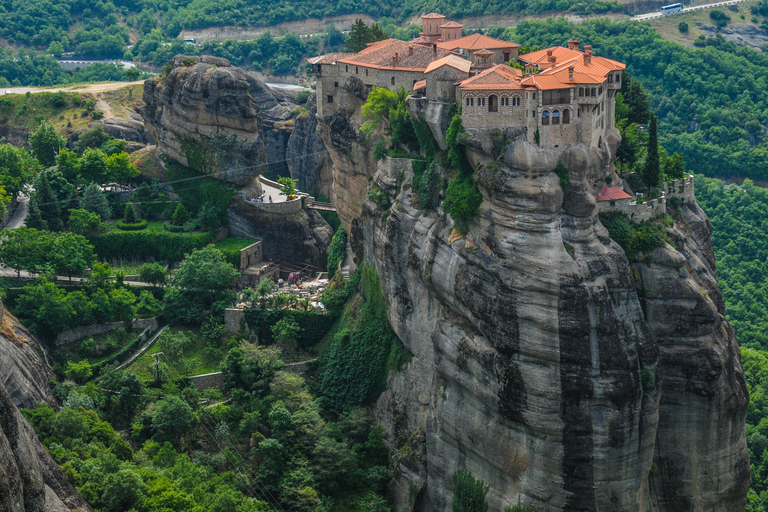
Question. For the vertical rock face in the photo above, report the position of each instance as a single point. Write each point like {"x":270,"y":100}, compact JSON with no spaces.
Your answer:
{"x":306,"y":155}
{"x":203,"y":115}
{"x":543,"y":362}
{"x":30,"y":480}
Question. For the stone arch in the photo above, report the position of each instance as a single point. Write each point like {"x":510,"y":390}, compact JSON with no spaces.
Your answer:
{"x":493,"y":103}
{"x":566,"y":116}
{"x":555,"y":116}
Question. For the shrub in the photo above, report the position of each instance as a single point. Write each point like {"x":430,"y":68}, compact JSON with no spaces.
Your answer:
{"x":682,"y":27}
{"x":462,"y":200}
{"x":129,"y":217}
{"x":303,"y":96}
{"x":181,"y":215}
{"x":337,"y":251}
{"x":468,"y":493}
{"x":562,"y":173}
{"x":134,"y":226}
{"x":634,"y":238}
{"x":188,"y":61}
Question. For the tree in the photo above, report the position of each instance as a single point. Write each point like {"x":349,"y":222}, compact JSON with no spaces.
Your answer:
{"x":46,"y":307}
{"x":120,"y":167}
{"x":636,"y":98}
{"x":129,"y":217}
{"x":46,"y":200}
{"x":180,"y":215}
{"x":94,"y":200}
{"x":79,"y":372}
{"x":68,"y":164}
{"x":376,"y":33}
{"x":265,"y":287}
{"x":286,"y":331}
{"x":17,"y":168}
{"x":93,"y":166}
{"x":56,"y":49}
{"x":652,"y":171}
{"x":173,"y":418}
{"x":122,"y":490}
{"x":359,"y":36}
{"x":468,"y":493}
{"x":35,"y":218}
{"x":83,"y":222}
{"x":153,"y":273}
{"x":674,"y":167}
{"x":45,"y":143}
{"x":93,"y":137}
{"x":288,"y":186}
{"x":377,"y":107}
{"x":204,"y":276}
{"x":333,"y":36}
{"x":23,"y":248}
{"x":71,"y":254}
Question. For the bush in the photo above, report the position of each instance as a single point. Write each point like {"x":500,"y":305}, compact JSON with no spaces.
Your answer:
{"x":337,"y":251}
{"x":562,"y":173}
{"x":129,"y":217}
{"x":462,"y":200}
{"x":181,"y":215}
{"x":303,"y":96}
{"x":188,"y":61}
{"x":468,"y":493}
{"x":134,"y":226}
{"x":173,"y":228}
{"x":633,"y":238}
{"x":682,"y":27}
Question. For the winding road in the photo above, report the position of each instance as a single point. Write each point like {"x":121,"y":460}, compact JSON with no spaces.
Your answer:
{"x":651,"y":15}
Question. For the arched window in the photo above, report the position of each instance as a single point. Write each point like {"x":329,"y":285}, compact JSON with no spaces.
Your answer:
{"x":504,"y":101}
{"x":481,"y":102}
{"x":516,"y":101}
{"x":566,"y":116}
{"x":555,"y":116}
{"x":493,"y":103}
{"x":545,"y":118}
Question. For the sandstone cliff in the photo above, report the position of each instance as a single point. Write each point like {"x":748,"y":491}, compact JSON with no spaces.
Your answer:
{"x":203,"y":115}
{"x":544,"y":362}
{"x":30,"y":480}
{"x":306,"y":155}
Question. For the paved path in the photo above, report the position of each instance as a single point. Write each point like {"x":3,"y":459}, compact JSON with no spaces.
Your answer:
{"x":651,"y":15}
{"x":17,"y":220}
{"x":143,"y":349}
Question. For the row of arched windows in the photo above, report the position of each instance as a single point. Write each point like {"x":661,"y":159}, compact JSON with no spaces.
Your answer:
{"x":556,"y":116}
{"x":493,"y":101}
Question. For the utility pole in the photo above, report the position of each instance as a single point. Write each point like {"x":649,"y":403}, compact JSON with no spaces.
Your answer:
{"x":157,"y":365}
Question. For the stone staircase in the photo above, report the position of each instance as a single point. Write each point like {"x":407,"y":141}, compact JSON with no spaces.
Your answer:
{"x":347,"y":264}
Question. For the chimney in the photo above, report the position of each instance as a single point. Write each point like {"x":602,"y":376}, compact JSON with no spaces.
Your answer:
{"x":410,"y":50}
{"x":587,"y":55}
{"x":576,"y":44}
{"x":434,"y":48}
{"x":395,"y":59}
{"x":570,"y":72}
{"x":553,"y":59}
{"x":570,"y":44}
{"x":549,"y":54}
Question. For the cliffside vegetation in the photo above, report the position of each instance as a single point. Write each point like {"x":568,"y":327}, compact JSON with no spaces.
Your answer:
{"x":738,"y":214}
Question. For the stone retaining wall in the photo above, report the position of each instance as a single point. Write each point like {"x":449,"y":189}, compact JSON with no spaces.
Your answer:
{"x":79,"y":333}
{"x":637,"y":212}
{"x":207,"y":381}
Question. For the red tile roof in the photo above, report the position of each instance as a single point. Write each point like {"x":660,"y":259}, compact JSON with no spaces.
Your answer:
{"x":498,"y":77}
{"x":451,"y":24}
{"x":328,"y":58}
{"x":419,"y":85}
{"x":476,"y":42}
{"x":379,"y":55}
{"x":453,"y":61}
{"x":433,"y":16}
{"x":612,"y":194}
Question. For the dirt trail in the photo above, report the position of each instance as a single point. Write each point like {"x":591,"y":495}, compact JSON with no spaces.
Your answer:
{"x":89,"y":88}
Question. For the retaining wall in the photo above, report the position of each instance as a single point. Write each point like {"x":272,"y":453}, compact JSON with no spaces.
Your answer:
{"x":637,"y":212}
{"x":79,"y":333}
{"x":207,"y":381}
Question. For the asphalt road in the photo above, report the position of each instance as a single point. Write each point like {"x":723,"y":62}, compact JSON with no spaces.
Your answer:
{"x":651,"y":15}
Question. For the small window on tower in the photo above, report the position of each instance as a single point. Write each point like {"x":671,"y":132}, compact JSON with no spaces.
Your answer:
{"x":330,"y":99}
{"x":392,"y":80}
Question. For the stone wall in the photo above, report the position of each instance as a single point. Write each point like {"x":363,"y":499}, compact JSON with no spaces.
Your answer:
{"x":282,"y":208}
{"x":207,"y":381}
{"x":233,"y":319}
{"x":250,"y":255}
{"x":78,"y":333}
{"x":636,"y":212}
{"x":682,"y":189}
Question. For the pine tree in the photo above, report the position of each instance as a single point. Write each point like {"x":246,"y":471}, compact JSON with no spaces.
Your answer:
{"x":359,"y":36}
{"x":468,"y":493}
{"x":95,"y":201}
{"x":35,"y":219}
{"x":652,"y":169}
{"x":129,"y":217}
{"x":180,"y":216}
{"x":376,"y":33}
{"x":636,"y":98}
{"x":46,"y":200}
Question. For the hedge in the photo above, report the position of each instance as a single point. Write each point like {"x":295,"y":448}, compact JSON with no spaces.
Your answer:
{"x":314,"y":325}
{"x":134,"y":226}
{"x":147,"y":245}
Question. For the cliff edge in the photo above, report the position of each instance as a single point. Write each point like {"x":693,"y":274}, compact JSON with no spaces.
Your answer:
{"x":544,"y":361}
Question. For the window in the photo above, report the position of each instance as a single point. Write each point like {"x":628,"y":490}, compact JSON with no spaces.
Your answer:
{"x":392,"y":80}
{"x":610,"y":79}
{"x":347,"y":67}
{"x":330,"y":99}
{"x":533,"y":113}
{"x":534,"y":95}
{"x":493,"y":103}
{"x":504,"y":102}
{"x":593,"y":93}
{"x":366,"y":71}
{"x":480,"y":102}
{"x":555,"y":117}
{"x":516,"y":101}
{"x":335,"y":84}
{"x":357,"y":70}
{"x":581,"y":92}
{"x":566,"y":116}
{"x":469,"y":102}
{"x":578,"y":113}
{"x":618,"y":78}
{"x":555,"y":97}
{"x":545,"y":118}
